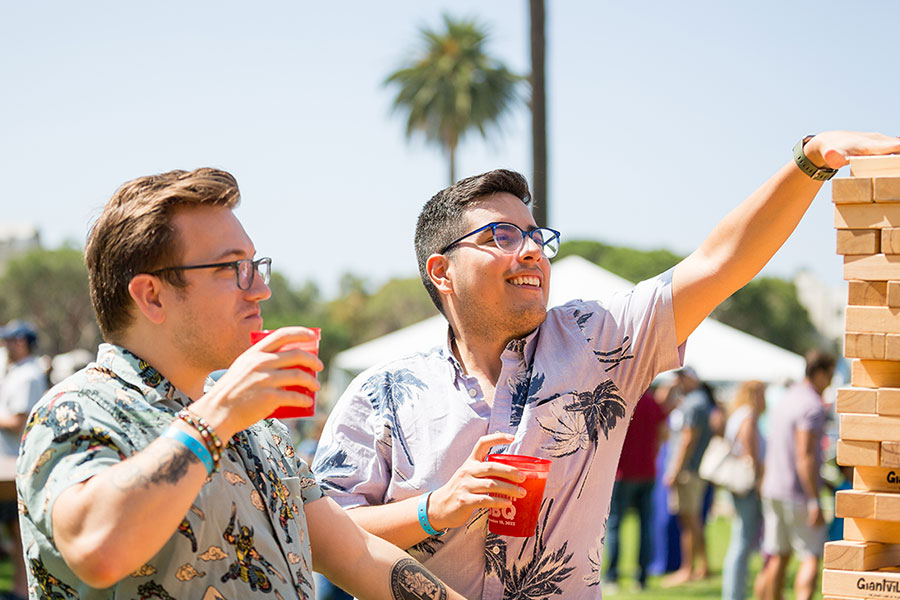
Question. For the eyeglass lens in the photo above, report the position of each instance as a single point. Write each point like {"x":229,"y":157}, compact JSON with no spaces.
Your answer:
{"x":247,"y":268}
{"x":510,"y":238}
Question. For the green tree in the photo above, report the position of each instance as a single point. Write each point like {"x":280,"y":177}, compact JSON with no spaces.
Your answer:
{"x":50,"y":289}
{"x":451,"y":85}
{"x":633,"y":265}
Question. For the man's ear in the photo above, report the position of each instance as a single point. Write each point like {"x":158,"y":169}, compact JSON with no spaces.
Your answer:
{"x":438,"y":267}
{"x":145,"y":291}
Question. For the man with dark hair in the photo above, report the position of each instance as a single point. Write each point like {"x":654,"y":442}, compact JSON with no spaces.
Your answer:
{"x":792,"y":482}
{"x":138,"y":476}
{"x":403,"y":447}
{"x":23,"y":386}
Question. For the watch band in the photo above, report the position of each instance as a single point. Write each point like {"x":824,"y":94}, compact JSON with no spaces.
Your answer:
{"x":812,"y":171}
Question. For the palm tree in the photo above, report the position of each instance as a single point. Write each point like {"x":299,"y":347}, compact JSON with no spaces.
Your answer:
{"x":451,"y":85}
{"x":538,"y":113}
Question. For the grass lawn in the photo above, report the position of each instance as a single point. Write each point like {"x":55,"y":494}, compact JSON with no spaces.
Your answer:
{"x":717,"y":534}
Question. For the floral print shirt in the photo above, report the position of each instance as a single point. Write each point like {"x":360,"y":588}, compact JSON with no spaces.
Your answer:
{"x":245,"y":534}
{"x":566,"y":391}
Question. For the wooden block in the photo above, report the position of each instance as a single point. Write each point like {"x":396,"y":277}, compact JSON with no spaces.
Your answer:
{"x":890,"y":454}
{"x":872,"y":267}
{"x":892,"y":346}
{"x":872,"y":319}
{"x":875,"y":166}
{"x":890,"y":241}
{"x":869,"y":293}
{"x":847,"y":190}
{"x":860,"y":556}
{"x":888,"y":402}
{"x":886,"y":189}
{"x":873,"y":428}
{"x":856,"y":400}
{"x":876,"y":479}
{"x":872,"y":530}
{"x":858,"y":453}
{"x":868,"y":346}
{"x":892,"y":297}
{"x":861,"y":584}
{"x":855,"y":504}
{"x":859,"y":241}
{"x":866,"y":216}
{"x":874,"y":374}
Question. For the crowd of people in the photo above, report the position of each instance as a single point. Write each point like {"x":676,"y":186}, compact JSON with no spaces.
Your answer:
{"x":140,"y":476}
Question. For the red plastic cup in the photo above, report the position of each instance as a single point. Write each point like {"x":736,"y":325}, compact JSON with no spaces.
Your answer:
{"x":520,"y":520}
{"x":294,"y":412}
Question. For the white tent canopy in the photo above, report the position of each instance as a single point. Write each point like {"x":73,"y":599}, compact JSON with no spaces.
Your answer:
{"x":717,"y":352}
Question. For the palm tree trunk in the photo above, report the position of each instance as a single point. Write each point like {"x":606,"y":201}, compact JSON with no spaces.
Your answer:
{"x":452,"y":152}
{"x":538,"y":115}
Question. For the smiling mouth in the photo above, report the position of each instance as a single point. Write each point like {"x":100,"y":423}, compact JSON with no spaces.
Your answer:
{"x":526,"y":281}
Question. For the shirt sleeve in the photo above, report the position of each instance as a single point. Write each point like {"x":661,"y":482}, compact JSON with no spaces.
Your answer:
{"x":353,"y":459}
{"x":68,"y":440}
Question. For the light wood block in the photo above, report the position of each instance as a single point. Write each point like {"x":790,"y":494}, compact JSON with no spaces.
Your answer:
{"x":872,"y":319}
{"x":882,"y":506}
{"x":874,"y":428}
{"x":886,"y":189}
{"x":874,"y":374}
{"x":872,"y":530}
{"x":872,"y":267}
{"x":892,"y":346}
{"x":861,"y":584}
{"x":859,"y":241}
{"x":890,"y":455}
{"x":858,"y":453}
{"x":890,"y":241}
{"x":847,"y":190}
{"x":860,"y":556}
{"x":875,"y":166}
{"x":876,"y":479}
{"x":869,"y":293}
{"x":868,"y":346}
{"x":856,"y":400}
{"x":888,"y":402}
{"x":892,"y":297}
{"x":866,"y":216}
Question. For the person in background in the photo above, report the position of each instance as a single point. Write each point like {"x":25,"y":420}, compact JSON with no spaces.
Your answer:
{"x":792,"y":516}
{"x":742,"y":431}
{"x":690,"y":434}
{"x":635,"y":478}
{"x":23,"y":386}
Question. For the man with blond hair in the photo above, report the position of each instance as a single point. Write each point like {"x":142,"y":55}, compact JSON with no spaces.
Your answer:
{"x":138,"y":477}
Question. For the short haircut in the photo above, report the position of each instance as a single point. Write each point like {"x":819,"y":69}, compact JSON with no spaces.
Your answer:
{"x":134,"y":234}
{"x":819,"y":360}
{"x":442,"y":219}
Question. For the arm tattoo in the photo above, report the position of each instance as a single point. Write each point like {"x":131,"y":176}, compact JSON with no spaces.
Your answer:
{"x":168,"y":462}
{"x":411,"y":581}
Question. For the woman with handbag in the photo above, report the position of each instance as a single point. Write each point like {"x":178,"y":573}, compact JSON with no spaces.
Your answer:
{"x":742,"y":431}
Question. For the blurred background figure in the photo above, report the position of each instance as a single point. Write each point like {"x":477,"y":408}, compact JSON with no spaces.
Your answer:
{"x":24,"y":384}
{"x":690,"y":434}
{"x":742,"y":430}
{"x":635,"y":478}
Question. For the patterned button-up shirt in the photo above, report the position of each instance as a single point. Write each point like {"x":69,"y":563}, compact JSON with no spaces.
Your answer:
{"x":567,"y":391}
{"x":244,"y":535}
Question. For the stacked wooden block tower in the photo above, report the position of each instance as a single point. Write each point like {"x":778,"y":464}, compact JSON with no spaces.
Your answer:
{"x":866,"y":563}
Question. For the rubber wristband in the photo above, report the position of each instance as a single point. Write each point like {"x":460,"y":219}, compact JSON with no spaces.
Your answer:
{"x":423,"y":516}
{"x":193,"y":445}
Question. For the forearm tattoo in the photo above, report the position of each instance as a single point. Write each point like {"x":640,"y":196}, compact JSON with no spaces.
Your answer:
{"x":167,"y":462}
{"x":411,"y":581}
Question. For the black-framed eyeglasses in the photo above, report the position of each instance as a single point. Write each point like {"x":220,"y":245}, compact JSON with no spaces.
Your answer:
{"x":509,"y":238}
{"x":244,"y":270}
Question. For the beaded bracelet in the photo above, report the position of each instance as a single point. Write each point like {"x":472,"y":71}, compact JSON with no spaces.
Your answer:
{"x":193,"y":445}
{"x":213,"y":444}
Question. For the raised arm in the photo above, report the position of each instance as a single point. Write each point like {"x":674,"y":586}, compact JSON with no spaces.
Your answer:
{"x":744,"y":241}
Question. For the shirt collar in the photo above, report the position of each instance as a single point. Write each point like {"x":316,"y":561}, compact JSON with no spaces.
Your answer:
{"x":138,"y":374}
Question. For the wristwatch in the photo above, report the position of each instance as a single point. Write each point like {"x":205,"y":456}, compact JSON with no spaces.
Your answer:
{"x":815,"y":173}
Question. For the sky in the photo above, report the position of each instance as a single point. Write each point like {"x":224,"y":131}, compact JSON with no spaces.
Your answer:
{"x":662,"y":116}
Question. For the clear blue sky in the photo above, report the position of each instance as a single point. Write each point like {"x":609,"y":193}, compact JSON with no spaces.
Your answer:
{"x":662,"y":115}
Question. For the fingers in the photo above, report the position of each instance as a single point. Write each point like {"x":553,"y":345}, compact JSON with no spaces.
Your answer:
{"x":485,"y":442}
{"x":286,"y":335}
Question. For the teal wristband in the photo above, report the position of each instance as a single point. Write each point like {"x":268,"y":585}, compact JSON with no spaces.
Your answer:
{"x":423,"y":516}
{"x":193,"y":445}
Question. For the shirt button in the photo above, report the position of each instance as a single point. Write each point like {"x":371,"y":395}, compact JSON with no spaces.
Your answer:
{"x":473,"y":392}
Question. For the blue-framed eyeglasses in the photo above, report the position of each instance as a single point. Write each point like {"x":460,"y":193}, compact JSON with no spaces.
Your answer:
{"x":244,"y":270}
{"x":509,"y":238}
